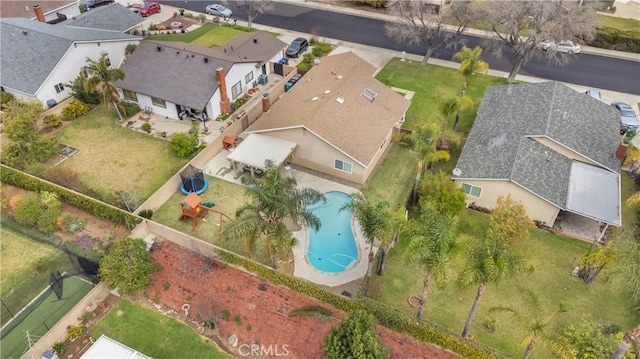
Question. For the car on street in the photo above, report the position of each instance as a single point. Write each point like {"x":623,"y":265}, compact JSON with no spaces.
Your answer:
{"x":90,"y":4}
{"x":566,"y":46}
{"x":149,"y":8}
{"x":628,"y":119}
{"x":219,"y":10}
{"x":297,"y":47}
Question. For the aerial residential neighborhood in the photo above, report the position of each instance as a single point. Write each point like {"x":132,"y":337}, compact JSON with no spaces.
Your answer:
{"x":319,"y":179}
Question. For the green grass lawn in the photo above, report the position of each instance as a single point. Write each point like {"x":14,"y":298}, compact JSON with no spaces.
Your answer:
{"x":218,"y":36}
{"x":431,"y":84}
{"x":186,"y":37}
{"x":393,"y":179}
{"x":112,"y":157}
{"x":554,"y":257}
{"x":630,"y":25}
{"x":154,"y":334}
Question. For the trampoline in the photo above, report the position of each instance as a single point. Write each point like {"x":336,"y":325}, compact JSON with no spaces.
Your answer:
{"x":193,"y":181}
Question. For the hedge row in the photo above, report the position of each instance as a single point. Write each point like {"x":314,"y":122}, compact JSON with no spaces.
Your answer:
{"x":20,"y":179}
{"x":33,"y":233}
{"x":384,"y":314}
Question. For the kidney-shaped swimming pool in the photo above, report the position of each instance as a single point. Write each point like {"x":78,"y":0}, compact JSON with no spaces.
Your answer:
{"x":333,"y":248}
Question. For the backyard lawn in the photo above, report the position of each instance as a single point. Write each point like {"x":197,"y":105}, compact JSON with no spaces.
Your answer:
{"x":218,"y":36}
{"x":432,"y":84}
{"x":112,"y":157}
{"x":154,"y":334}
{"x":208,"y":35}
{"x":554,"y":257}
{"x":187,"y":37}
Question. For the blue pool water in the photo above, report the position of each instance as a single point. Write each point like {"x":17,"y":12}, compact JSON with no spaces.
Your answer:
{"x":332,"y":249}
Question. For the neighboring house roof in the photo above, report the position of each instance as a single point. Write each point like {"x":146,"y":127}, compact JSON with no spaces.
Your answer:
{"x":113,"y":17}
{"x":356,"y":126}
{"x":107,"y":348}
{"x":257,"y":46}
{"x":177,"y":73}
{"x":25,"y":8}
{"x":24,"y":66}
{"x":503,"y":145}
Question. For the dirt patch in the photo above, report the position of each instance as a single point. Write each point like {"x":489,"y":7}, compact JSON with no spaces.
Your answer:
{"x":251,"y":309}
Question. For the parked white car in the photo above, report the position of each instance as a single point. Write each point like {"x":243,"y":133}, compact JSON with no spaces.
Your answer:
{"x":219,"y":10}
{"x":566,"y":46}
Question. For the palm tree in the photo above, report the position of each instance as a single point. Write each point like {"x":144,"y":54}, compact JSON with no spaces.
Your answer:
{"x":627,"y":340}
{"x":535,"y":324}
{"x":470,"y":63}
{"x":274,"y":198}
{"x":372,"y":219}
{"x":423,"y":142}
{"x":433,"y":246}
{"x":489,"y":262}
{"x":101,"y":76}
{"x":448,"y":107}
{"x":399,"y":225}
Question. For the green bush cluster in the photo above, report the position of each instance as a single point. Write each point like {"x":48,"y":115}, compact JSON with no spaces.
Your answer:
{"x":146,"y":127}
{"x":184,"y":145}
{"x":31,"y":232}
{"x":320,"y":49}
{"x":74,"y":110}
{"x":384,"y":314}
{"x":373,"y":3}
{"x":53,"y":120}
{"x":20,"y":179}
{"x":614,"y":39}
{"x":128,"y":109}
{"x":34,"y":211}
{"x":5,"y":98}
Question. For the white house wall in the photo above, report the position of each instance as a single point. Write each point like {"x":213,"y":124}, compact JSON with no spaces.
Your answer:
{"x":144,"y":101}
{"x":237,"y":73}
{"x":69,"y":67}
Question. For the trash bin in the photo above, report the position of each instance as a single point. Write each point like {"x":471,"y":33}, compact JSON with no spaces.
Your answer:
{"x":284,"y":61}
{"x":288,"y":86}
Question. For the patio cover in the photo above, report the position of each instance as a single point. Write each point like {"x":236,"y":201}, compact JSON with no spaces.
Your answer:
{"x":595,"y":193}
{"x":256,"y":150}
{"x":107,"y":348}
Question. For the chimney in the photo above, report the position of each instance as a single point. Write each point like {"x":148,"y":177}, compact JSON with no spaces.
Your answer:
{"x":266,"y":104}
{"x":621,"y":151}
{"x":39,"y":14}
{"x":225,"y":105}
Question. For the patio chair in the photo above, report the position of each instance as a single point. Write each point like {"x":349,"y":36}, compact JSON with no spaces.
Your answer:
{"x":148,"y":110}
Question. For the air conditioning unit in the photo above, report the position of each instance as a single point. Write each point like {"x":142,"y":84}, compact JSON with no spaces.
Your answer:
{"x":263,"y":79}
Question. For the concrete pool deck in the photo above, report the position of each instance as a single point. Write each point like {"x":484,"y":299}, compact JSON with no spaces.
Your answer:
{"x":219,"y":167}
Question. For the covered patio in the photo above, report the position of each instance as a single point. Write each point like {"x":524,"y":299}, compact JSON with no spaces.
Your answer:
{"x":258,"y":152}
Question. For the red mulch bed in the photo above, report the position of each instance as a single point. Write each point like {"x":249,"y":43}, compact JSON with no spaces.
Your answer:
{"x":213,"y":288}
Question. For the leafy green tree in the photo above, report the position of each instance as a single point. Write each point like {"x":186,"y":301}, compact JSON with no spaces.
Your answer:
{"x":490,"y":261}
{"x":127,"y":266}
{"x":354,"y":338}
{"x":372,"y":219}
{"x":433,"y":247}
{"x":439,"y":190}
{"x":536,"y":324}
{"x":595,"y":261}
{"x":5,"y":98}
{"x":593,"y":340}
{"x":83,"y":90}
{"x":102,"y":77}
{"x":274,"y":198}
{"x":510,"y":221}
{"x":184,"y":145}
{"x":29,"y":209}
{"x":448,"y":107}
{"x":470,"y":64}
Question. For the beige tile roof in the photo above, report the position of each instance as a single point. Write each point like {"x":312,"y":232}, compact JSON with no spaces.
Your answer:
{"x":357,"y":127}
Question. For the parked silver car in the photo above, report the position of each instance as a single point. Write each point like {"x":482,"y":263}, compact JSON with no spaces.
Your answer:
{"x":566,"y":46}
{"x":219,"y":10}
{"x":628,"y":119}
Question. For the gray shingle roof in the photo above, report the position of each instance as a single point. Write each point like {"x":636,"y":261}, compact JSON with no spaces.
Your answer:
{"x":502,"y":145}
{"x":172,"y":74}
{"x":256,"y":46}
{"x":23,"y":65}
{"x":113,"y":17}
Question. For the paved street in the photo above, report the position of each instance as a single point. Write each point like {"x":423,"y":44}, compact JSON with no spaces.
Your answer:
{"x":604,"y":72}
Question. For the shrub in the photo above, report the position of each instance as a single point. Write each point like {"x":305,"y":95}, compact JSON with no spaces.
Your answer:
{"x":75,"y":331}
{"x":238,"y":319}
{"x":189,"y":15}
{"x":184,"y":145}
{"x":92,"y":255}
{"x":40,"y":265}
{"x":48,"y":221}
{"x":53,"y":120}
{"x":354,"y":338}
{"x":225,"y":314}
{"x":127,"y":266}
{"x":201,"y":18}
{"x":84,"y":93}
{"x":84,"y":240}
{"x":146,"y":213}
{"x":75,"y":224}
{"x":129,"y":49}
{"x":74,"y":110}
{"x":373,"y":3}
{"x":4,"y":198}
{"x":59,"y":347}
{"x":65,"y":176}
{"x":5,"y":98}
{"x":153,"y":27}
{"x":614,"y":39}
{"x":166,"y":285}
{"x":87,"y":316}
{"x":443,"y":193}
{"x":128,"y":109}
{"x":146,"y":127}
{"x":29,"y":209}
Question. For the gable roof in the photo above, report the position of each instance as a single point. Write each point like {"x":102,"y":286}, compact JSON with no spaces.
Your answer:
{"x":357,"y":126}
{"x":177,"y":73}
{"x":23,"y":66}
{"x":19,"y":8}
{"x":114,"y":17}
{"x":107,"y":348}
{"x":256,"y":46}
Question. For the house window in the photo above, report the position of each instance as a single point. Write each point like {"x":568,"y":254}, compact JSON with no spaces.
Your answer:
{"x":472,"y":190}
{"x":248,"y":77}
{"x":342,"y":165}
{"x":158,"y":102}
{"x":131,"y":96}
{"x":59,"y":88}
{"x":236,"y":90}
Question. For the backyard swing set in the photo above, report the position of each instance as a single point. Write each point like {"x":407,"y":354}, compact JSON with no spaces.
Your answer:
{"x":193,"y":208}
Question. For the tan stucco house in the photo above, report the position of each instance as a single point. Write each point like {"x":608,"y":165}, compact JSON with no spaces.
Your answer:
{"x":550,"y":147}
{"x":339,"y":116}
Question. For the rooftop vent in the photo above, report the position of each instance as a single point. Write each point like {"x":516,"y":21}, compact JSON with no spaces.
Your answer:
{"x":158,"y":48}
{"x":371,"y":91}
{"x":457,"y":172}
{"x":177,"y":52}
{"x":25,"y":32}
{"x":327,"y":92}
{"x":206,"y":60}
{"x":340,"y":100}
{"x":315,"y":98}
{"x":367,"y":96}
{"x":255,"y":41}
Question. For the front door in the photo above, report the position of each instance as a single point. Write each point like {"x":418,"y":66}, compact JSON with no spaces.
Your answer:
{"x":264,"y":69}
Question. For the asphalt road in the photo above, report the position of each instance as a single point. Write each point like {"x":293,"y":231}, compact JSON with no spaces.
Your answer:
{"x":585,"y":69}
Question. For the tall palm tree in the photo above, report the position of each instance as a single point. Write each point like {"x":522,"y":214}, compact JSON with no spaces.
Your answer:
{"x":470,"y":63}
{"x":490,"y":262}
{"x":372,"y":219}
{"x":423,"y":142}
{"x":448,"y":107}
{"x":536,"y":325}
{"x":274,"y":198}
{"x":631,"y":336}
{"x":433,"y":247}
{"x":398,"y":226}
{"x":102,"y":77}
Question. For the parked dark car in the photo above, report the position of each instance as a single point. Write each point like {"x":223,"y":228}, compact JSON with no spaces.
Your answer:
{"x":90,"y":4}
{"x":297,"y":47}
{"x":149,"y":8}
{"x":628,"y":119}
